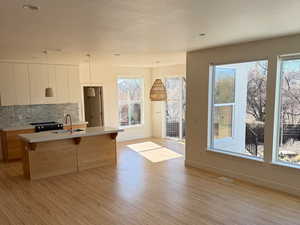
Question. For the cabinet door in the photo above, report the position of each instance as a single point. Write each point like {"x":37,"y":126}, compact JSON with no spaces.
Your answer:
{"x":21,"y":79}
{"x":62,"y":84}
{"x":7,"y":87}
{"x":38,"y":82}
{"x":74,"y":84}
{"x":51,"y":82}
{"x":84,"y":74}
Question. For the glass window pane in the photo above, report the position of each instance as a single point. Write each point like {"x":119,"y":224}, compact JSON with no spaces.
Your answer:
{"x":224,"y":85}
{"x":130,"y":101}
{"x":135,"y":115}
{"x":124,"y":117}
{"x":239,"y":108}
{"x":172,"y":118}
{"x":289,"y":132}
{"x":135,"y":89}
{"x":123,"y":90}
{"x":173,"y":85}
{"x":223,"y":122}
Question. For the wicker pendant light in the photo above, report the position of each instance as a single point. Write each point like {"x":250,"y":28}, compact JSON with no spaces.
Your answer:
{"x":158,"y":91}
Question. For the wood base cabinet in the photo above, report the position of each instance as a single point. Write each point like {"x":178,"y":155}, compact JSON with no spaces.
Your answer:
{"x":12,"y":146}
{"x":52,"y":158}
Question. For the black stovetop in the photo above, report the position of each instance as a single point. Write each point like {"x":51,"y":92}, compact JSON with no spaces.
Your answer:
{"x":43,"y":123}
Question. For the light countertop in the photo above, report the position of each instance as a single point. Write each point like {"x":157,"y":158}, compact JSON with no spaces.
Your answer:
{"x":61,"y":135}
{"x":27,"y":127}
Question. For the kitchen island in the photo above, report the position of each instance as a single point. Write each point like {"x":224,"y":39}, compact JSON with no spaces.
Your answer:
{"x":11,"y":146}
{"x":53,"y":153}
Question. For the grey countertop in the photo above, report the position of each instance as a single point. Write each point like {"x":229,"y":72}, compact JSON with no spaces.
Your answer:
{"x":61,"y":135}
{"x":32,"y":127}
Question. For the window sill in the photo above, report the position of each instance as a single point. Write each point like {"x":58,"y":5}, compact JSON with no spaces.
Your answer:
{"x":131,"y":126}
{"x":235,"y":154}
{"x":286,"y":164}
{"x":241,"y":156}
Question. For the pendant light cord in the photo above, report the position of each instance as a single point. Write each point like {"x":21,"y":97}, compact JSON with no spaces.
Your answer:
{"x":47,"y":61}
{"x":90,"y":72}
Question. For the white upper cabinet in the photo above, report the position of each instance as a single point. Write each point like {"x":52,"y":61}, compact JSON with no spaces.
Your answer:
{"x":74,"y":84}
{"x":38,"y":78}
{"x":51,"y":82}
{"x":7,"y":87}
{"x":93,"y":76}
{"x":21,"y":83}
{"x":84,"y":74}
{"x":62,"y":84}
{"x":24,"y":84}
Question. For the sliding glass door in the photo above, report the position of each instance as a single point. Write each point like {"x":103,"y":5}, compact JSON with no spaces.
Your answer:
{"x":175,"y":107}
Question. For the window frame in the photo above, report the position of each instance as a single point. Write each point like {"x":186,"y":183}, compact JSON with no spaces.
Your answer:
{"x":180,"y":101}
{"x":277,"y":118}
{"x":129,"y":102}
{"x":211,"y":110}
{"x":212,"y":105}
{"x":232,"y":118}
{"x":273,"y":109}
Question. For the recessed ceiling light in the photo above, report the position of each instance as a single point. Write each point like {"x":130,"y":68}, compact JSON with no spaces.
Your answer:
{"x":202,"y":34}
{"x":31,"y":7}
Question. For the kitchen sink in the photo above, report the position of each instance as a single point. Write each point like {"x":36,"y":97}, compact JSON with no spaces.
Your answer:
{"x":67,"y":131}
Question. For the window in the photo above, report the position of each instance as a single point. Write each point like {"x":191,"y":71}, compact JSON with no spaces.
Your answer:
{"x":175,"y":107}
{"x":130,"y":94}
{"x":223,"y":121}
{"x":238,"y":107}
{"x":289,"y":129}
{"x":223,"y":101}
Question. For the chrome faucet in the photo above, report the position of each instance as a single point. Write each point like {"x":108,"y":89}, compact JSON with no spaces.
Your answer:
{"x":66,"y":121}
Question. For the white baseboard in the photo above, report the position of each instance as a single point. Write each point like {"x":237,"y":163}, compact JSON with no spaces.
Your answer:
{"x":257,"y":181}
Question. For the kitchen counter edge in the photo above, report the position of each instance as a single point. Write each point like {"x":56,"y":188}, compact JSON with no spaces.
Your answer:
{"x":52,"y":136}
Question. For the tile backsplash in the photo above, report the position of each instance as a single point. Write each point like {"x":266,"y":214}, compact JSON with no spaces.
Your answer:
{"x":22,"y":115}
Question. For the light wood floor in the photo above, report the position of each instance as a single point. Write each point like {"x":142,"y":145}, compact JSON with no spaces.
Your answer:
{"x":139,"y":192}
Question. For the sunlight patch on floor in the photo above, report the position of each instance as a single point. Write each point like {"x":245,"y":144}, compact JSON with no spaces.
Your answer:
{"x":154,"y":152}
{"x":160,"y":154}
{"x":144,"y":146}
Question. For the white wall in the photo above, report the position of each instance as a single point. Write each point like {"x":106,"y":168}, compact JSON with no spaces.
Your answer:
{"x":158,"y":108}
{"x":106,"y":75}
{"x":260,"y":172}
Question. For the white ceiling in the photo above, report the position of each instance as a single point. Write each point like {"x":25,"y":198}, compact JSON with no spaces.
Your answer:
{"x":142,"y":31}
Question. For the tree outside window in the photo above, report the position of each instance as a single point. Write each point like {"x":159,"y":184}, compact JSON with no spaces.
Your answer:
{"x":130,"y":95}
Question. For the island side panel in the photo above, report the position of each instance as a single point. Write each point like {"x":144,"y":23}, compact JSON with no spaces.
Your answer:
{"x":50,"y":158}
{"x":97,"y":151}
{"x":25,"y":159}
{"x":12,"y":145}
